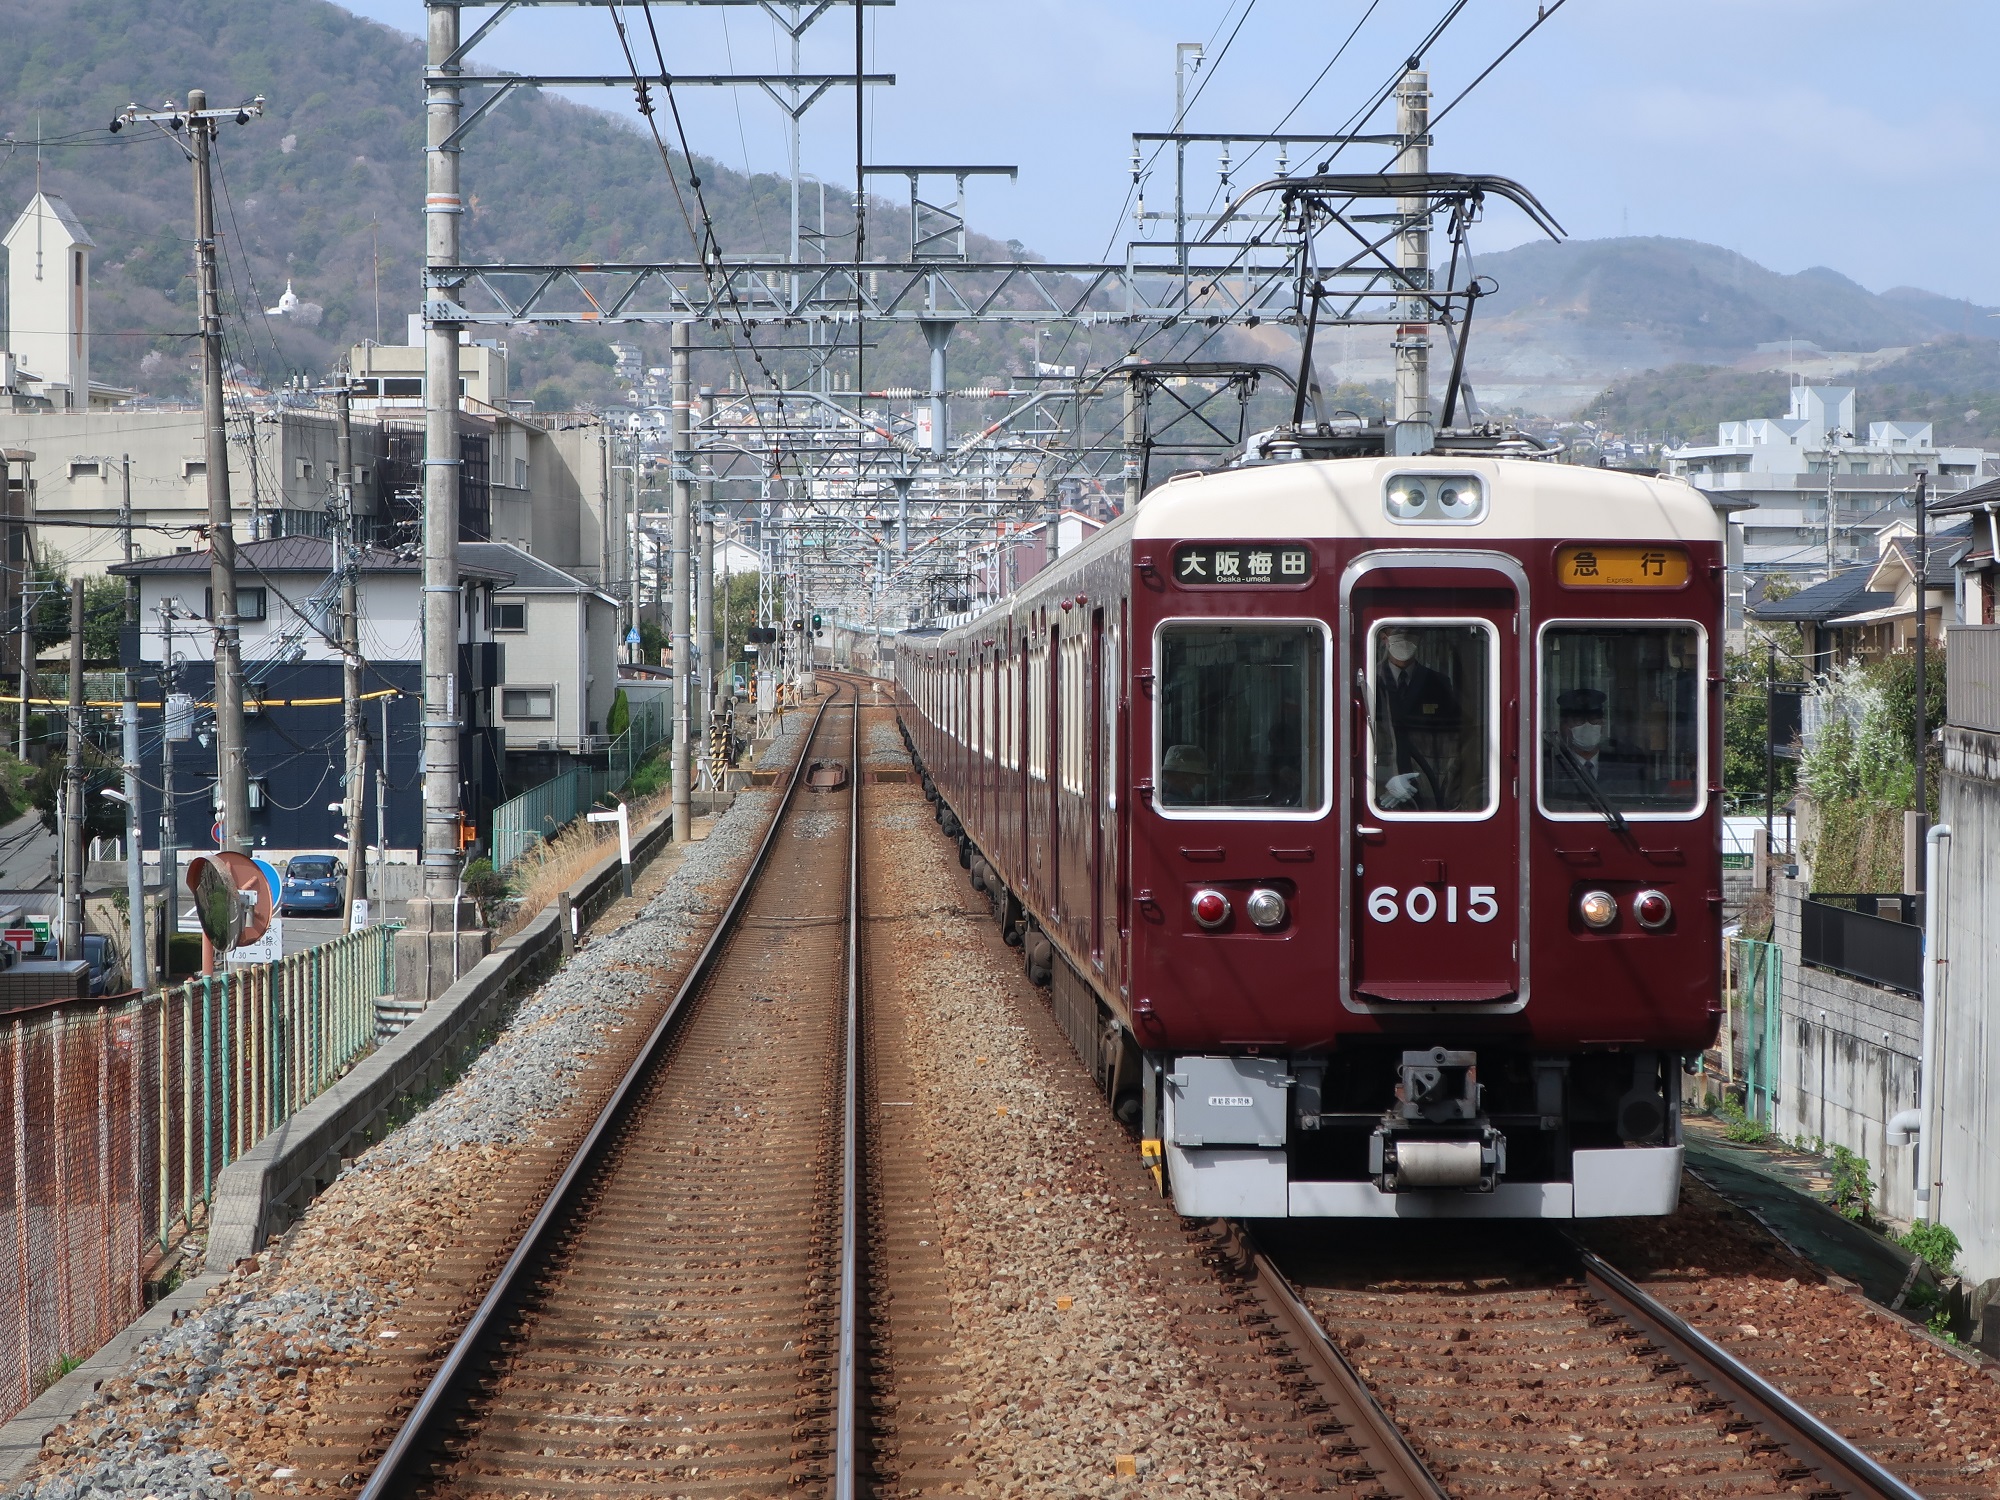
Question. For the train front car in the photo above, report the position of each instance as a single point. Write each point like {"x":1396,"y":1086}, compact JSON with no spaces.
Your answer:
{"x":1425,"y":835}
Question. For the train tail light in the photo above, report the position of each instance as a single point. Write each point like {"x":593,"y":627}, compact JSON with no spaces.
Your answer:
{"x":1597,"y":909}
{"x":1210,"y":908}
{"x":1266,"y":908}
{"x":1653,"y":909}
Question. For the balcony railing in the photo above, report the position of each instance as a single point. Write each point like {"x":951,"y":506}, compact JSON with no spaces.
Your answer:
{"x":1871,"y":936}
{"x":1972,"y":677}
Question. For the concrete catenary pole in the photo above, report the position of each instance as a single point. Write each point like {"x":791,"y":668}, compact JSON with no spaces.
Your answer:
{"x":353,"y":728}
{"x":704,"y":574}
{"x":231,"y":769}
{"x":1413,"y":252}
{"x":438,"y":912}
{"x":135,"y":842}
{"x":682,"y":761}
{"x":1135,"y":440}
{"x":72,"y":787}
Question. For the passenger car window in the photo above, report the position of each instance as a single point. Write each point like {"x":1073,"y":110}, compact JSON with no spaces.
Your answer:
{"x":1621,"y":708}
{"x":1432,"y":741}
{"x":1242,"y":718}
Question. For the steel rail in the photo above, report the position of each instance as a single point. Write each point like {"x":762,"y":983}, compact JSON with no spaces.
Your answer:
{"x":845,"y":1436}
{"x":399,"y":1467}
{"x":1400,"y":1474}
{"x":1833,"y":1459}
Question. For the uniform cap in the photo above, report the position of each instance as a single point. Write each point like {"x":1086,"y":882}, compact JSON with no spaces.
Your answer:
{"x":1192,"y":760}
{"x":1587,"y":702}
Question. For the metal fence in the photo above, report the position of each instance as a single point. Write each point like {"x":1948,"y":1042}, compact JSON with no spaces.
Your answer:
{"x":1972,"y":677}
{"x":1753,"y":981}
{"x":1865,"y":935}
{"x":124,"y":1111}
{"x":542,"y":811}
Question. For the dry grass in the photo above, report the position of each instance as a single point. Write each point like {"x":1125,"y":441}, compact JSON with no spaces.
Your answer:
{"x":554,"y":865}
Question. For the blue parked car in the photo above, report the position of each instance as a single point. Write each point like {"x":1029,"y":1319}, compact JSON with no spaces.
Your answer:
{"x":312,"y":885}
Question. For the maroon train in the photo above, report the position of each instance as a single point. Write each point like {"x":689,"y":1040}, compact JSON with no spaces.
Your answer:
{"x":1364,"y":817}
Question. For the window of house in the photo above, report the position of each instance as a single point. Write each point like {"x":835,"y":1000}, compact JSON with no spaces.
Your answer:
{"x":193,"y":468}
{"x":528,"y":703}
{"x":249,"y":604}
{"x":403,"y":386}
{"x":86,"y":468}
{"x":510,"y":616}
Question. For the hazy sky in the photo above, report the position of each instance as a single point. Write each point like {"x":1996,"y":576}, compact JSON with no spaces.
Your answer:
{"x":1844,"y":133}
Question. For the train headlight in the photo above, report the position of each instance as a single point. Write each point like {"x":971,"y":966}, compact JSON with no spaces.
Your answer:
{"x":1652,"y":908}
{"x":1266,"y":908}
{"x":1597,"y":909}
{"x":1406,"y":499}
{"x":1458,"y":499}
{"x":1210,"y":908}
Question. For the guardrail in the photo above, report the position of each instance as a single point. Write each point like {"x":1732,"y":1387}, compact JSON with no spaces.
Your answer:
{"x":1972,"y":677}
{"x":1854,"y":933}
{"x":122,"y":1112}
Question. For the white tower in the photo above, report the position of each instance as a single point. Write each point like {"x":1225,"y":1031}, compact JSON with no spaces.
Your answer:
{"x":48,"y":299}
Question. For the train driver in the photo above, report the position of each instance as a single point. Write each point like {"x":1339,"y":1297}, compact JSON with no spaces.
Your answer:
{"x":1418,"y":727}
{"x":1592,"y":753}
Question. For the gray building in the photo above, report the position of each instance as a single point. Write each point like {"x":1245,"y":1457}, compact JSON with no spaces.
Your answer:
{"x":1785,"y":468}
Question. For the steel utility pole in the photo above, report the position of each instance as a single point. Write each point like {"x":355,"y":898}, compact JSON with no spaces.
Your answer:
{"x":173,"y":730}
{"x":438,"y":913}
{"x":135,"y":852}
{"x":1413,"y":252}
{"x":17,"y":528}
{"x":355,"y":731}
{"x":231,"y":770}
{"x":682,"y":763}
{"x":72,"y":787}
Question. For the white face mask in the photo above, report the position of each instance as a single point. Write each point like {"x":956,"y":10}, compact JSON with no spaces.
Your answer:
{"x":1587,"y":736}
{"x":1401,"y":649}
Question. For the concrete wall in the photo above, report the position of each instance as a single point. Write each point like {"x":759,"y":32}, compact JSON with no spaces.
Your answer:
{"x":1848,"y":1059}
{"x":1968,"y":1024}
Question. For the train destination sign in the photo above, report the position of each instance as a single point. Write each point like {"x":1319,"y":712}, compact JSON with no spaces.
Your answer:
{"x":1623,"y":567}
{"x":1200,"y":563}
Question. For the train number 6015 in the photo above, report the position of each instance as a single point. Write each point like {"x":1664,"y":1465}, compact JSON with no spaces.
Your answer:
{"x":1420,"y":903}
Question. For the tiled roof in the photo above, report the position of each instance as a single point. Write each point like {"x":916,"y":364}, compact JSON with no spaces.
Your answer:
{"x":1845,"y":593}
{"x":308,"y":554}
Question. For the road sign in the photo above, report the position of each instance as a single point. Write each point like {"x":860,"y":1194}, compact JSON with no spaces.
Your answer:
{"x":631,"y":637}
{"x":215,"y":833}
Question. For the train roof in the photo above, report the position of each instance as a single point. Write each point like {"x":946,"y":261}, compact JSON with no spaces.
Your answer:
{"x":1344,"y":498}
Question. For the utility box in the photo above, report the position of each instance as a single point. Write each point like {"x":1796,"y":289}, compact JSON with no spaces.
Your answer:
{"x":1229,"y":1101}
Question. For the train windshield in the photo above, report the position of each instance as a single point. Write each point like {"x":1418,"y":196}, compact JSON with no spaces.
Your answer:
{"x":1431,"y":731}
{"x":1242,"y":718}
{"x":1621,"y":720}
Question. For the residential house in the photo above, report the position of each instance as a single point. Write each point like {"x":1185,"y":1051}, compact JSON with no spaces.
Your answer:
{"x":1870,"y":611}
{"x":288,"y":601}
{"x":559,"y":638}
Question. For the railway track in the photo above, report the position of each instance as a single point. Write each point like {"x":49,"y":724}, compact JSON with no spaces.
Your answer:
{"x":1525,"y":1362}
{"x":684,"y":1312}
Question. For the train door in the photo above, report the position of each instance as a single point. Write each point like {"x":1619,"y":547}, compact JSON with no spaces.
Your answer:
{"x":1094,"y":704}
{"x":1052,"y":757}
{"x":1434,"y":687}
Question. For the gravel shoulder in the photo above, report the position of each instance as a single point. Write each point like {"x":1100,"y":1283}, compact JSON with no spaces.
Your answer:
{"x":1068,"y":1325}
{"x":267,"y":1387}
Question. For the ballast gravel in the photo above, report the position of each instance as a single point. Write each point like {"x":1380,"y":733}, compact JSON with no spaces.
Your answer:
{"x":213,"y":1408}
{"x":1069,"y":1351}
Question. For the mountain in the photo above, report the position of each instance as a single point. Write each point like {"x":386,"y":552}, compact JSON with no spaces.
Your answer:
{"x":1654,"y":302}
{"x":326,"y":190}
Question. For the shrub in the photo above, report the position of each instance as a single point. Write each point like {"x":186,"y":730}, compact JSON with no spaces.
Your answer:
{"x":1851,"y":1193}
{"x":1737,"y":1126}
{"x":1935,"y":1243}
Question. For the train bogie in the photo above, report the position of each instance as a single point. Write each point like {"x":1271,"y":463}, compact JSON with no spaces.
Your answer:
{"x":1363,"y":817}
